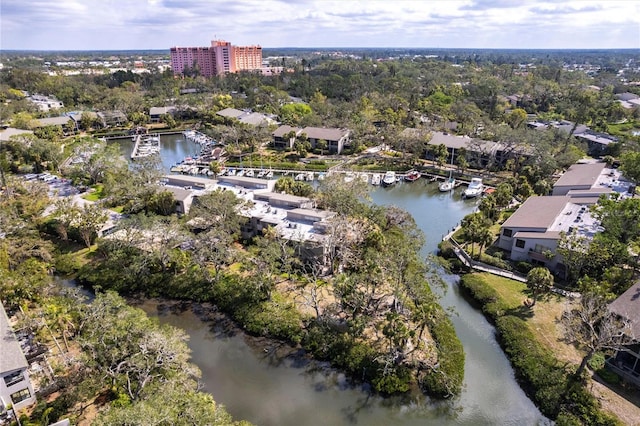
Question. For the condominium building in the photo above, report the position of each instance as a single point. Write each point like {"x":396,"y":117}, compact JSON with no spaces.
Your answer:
{"x":218,"y":59}
{"x":16,"y":390}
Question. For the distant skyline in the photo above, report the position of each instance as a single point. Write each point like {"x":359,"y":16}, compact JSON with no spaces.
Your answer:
{"x":161,"y":24}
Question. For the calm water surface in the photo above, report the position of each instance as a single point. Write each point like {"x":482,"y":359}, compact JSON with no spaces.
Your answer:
{"x":265,"y":391}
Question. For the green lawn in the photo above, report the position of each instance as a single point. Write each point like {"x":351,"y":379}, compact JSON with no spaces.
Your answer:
{"x":542,"y":319}
{"x":511,"y":291}
{"x":96,"y":194}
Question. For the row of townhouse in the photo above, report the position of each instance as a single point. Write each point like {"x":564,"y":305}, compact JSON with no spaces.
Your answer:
{"x":284,"y":137}
{"x":532,"y":233}
{"x":294,"y":218}
{"x":480,"y":153}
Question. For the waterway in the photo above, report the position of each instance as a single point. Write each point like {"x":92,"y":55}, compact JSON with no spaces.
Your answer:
{"x":173,"y":149}
{"x":266,"y":391}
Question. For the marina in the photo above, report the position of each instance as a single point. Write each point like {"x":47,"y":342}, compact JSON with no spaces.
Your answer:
{"x":256,"y":385}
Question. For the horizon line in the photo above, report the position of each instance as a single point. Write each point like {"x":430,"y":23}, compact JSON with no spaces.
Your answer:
{"x":332,"y":47}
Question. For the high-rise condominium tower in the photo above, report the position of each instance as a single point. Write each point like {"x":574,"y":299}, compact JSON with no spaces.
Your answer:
{"x":219,"y":59}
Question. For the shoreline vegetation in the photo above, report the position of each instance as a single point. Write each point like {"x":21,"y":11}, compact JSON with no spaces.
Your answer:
{"x":377,"y":319}
{"x":545,"y":379}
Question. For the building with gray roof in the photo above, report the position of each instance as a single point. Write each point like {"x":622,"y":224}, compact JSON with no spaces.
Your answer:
{"x":335,"y":138}
{"x":15,"y":386}
{"x":183,"y":181}
{"x":156,"y":113}
{"x":247,"y":117}
{"x":183,"y":198}
{"x":626,"y":362}
{"x":480,"y":152}
{"x":532,"y":233}
{"x":7,"y":133}
{"x":579,"y":177}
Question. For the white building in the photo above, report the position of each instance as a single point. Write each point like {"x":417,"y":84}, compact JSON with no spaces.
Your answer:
{"x":16,"y":390}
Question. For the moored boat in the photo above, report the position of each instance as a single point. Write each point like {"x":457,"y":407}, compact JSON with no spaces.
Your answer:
{"x":474,"y":189}
{"x":447,"y":185}
{"x":389,"y":178}
{"x":450,"y":183}
{"x":412,"y":176}
{"x":376,"y":179}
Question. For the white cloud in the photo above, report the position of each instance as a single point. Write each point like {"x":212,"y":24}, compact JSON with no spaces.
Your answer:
{"x":159,"y":24}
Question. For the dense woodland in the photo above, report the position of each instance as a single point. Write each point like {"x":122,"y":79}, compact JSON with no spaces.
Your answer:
{"x":370,"y":310}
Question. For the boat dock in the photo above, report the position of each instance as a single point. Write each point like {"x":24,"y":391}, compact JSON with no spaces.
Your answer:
{"x":198,"y":137}
{"x":145,"y":145}
{"x":136,"y":146}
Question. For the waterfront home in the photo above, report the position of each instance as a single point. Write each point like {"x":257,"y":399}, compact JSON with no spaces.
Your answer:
{"x":293,"y":218}
{"x":336,"y":139}
{"x":112,"y":118}
{"x":16,"y":389}
{"x":626,"y":362}
{"x":282,"y":136}
{"x":156,"y":113}
{"x":590,"y":180}
{"x":480,"y":153}
{"x":532,"y":233}
{"x":188,"y":182}
{"x":248,"y":183}
{"x":286,"y":201}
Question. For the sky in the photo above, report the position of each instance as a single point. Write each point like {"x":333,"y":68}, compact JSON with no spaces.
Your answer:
{"x":161,"y":24}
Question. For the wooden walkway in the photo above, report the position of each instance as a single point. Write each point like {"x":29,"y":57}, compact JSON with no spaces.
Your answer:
{"x":464,"y":257}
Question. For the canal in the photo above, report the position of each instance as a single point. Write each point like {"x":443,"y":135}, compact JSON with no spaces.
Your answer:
{"x":266,"y":391}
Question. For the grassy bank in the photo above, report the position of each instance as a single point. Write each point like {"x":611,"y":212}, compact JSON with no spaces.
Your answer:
{"x":544,"y":377}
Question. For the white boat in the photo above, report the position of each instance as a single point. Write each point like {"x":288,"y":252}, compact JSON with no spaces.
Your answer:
{"x":376,"y":179}
{"x":269,"y":174}
{"x":450,"y":183}
{"x":321,"y":176}
{"x":349,"y":177}
{"x":240,"y":172}
{"x":389,"y":178}
{"x":310,"y":176}
{"x":447,"y":185}
{"x":249,"y":173}
{"x":261,"y":173}
{"x":474,"y":189}
{"x":300,"y":176}
{"x":231,"y":172}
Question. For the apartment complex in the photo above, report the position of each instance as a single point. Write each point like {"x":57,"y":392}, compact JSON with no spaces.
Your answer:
{"x":218,"y":59}
{"x":532,"y":233}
